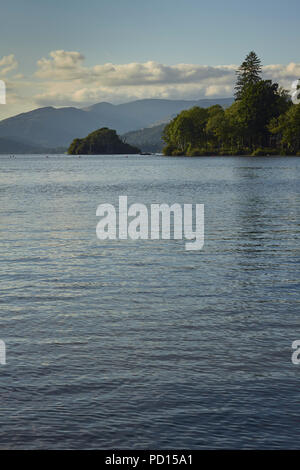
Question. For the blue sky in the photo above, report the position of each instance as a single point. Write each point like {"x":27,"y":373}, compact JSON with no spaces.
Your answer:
{"x":168,"y":32}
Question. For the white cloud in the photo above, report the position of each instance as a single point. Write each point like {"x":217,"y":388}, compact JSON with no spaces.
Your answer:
{"x":63,"y":79}
{"x":62,"y":65}
{"x":283,"y":74}
{"x":7,"y":64}
{"x":68,"y":81}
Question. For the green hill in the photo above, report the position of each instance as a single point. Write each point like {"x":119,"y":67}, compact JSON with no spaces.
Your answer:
{"x":148,"y":139}
{"x":104,"y":141}
{"x":51,"y":127}
{"x":16,"y":145}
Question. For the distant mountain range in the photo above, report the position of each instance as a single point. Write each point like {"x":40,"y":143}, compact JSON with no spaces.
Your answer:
{"x":12,"y":145}
{"x":148,"y":139}
{"x":48,"y":129}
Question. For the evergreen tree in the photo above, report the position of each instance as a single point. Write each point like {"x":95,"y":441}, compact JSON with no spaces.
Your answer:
{"x":248,"y":73}
{"x":260,"y":102}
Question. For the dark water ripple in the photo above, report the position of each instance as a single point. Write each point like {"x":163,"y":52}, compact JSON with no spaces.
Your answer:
{"x":142,"y":344}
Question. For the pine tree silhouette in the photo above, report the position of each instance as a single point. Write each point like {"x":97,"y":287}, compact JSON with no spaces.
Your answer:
{"x":248,"y":73}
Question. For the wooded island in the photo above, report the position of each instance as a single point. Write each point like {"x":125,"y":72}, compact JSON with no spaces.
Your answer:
{"x":101,"y":142}
{"x":262,"y":121}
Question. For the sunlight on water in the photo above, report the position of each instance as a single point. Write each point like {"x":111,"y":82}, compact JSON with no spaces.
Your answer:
{"x":141,"y":344}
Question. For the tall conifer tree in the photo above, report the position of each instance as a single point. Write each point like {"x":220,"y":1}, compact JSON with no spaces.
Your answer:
{"x":248,"y":73}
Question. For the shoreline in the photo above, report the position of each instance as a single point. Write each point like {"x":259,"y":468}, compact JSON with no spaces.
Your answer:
{"x":15,"y":155}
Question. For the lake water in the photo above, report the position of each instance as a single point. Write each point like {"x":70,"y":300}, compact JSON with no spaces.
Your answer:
{"x":141,"y":344}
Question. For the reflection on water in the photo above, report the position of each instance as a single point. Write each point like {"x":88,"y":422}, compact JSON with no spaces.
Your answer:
{"x":123,"y":344}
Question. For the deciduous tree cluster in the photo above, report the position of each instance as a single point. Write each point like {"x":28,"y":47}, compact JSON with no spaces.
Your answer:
{"x":262,"y":121}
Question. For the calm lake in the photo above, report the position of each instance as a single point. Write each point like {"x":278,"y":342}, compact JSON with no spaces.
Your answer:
{"x":141,"y":344}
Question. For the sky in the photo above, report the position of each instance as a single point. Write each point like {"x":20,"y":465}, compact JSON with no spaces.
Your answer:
{"x":75,"y":53}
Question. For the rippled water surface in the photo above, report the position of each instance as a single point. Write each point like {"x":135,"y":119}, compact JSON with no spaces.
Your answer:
{"x":141,"y":344}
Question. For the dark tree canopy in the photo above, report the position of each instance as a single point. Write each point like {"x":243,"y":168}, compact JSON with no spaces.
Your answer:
{"x":101,"y":142}
{"x":262,"y":121}
{"x":248,"y":73}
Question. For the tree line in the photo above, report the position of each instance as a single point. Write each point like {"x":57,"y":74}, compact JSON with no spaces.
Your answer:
{"x":262,"y":121}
